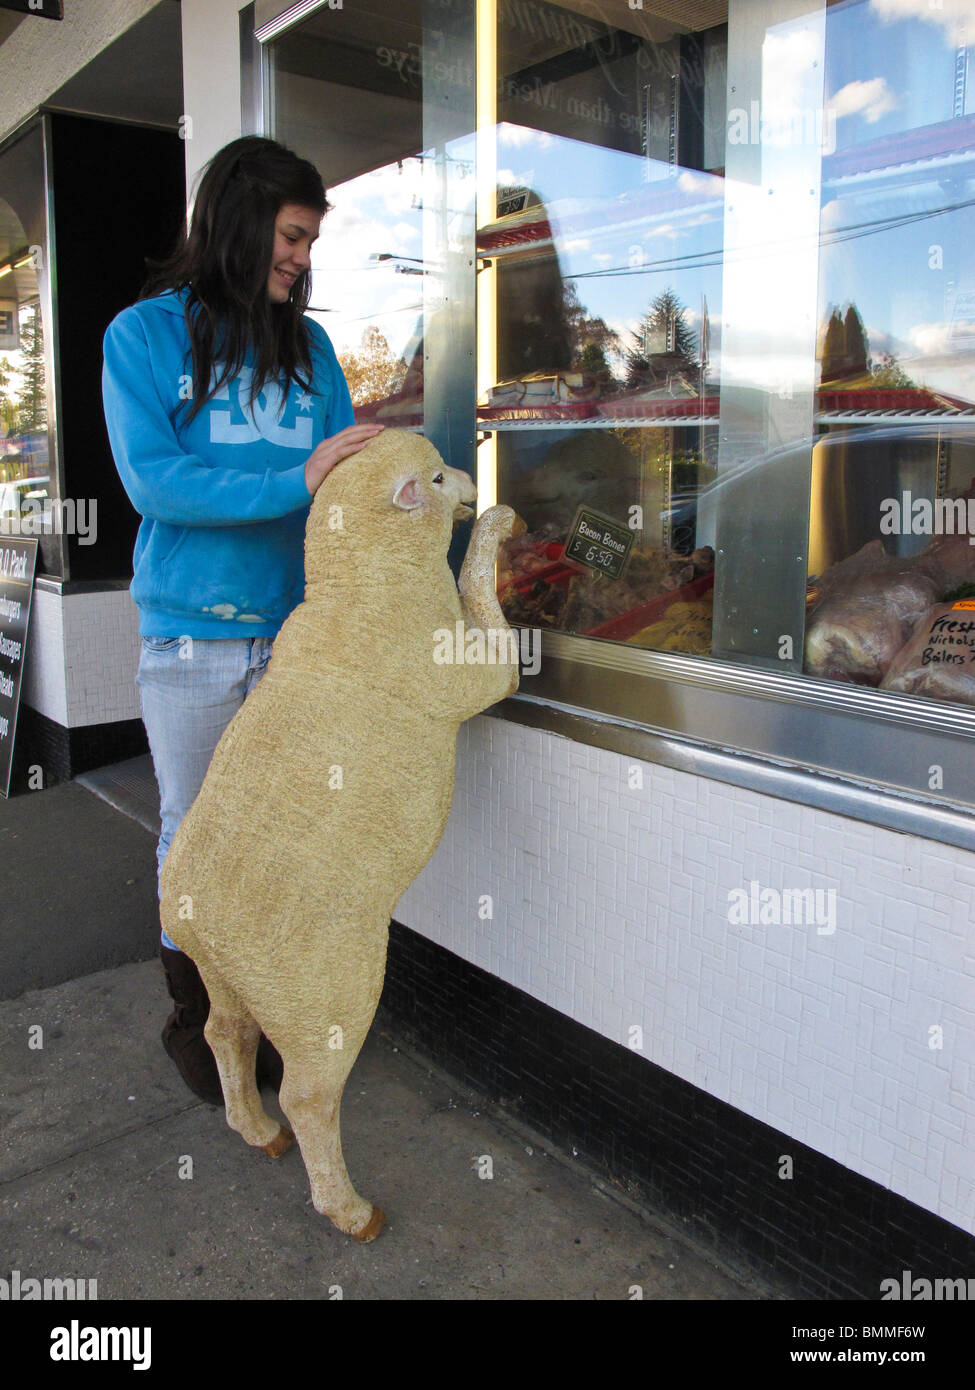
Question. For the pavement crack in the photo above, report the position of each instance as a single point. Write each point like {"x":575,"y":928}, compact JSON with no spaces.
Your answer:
{"x":97,"y":1146}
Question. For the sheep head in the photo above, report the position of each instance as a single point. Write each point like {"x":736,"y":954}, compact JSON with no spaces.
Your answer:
{"x":395,"y":498}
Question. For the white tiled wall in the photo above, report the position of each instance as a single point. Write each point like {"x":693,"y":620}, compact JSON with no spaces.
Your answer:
{"x":43,"y":685}
{"x":612,"y":906}
{"x":101,"y":657}
{"x":82,"y":654}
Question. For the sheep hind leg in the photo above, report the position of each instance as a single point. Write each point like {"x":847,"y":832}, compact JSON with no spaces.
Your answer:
{"x":233,"y":1036}
{"x":311,"y":1095}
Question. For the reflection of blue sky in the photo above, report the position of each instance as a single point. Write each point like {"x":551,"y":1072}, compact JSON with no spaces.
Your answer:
{"x":378,"y":213}
{"x":619,"y":263}
{"x":886,"y":73}
{"x":890,"y":70}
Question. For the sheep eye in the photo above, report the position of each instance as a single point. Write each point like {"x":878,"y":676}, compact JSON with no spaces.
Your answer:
{"x":438,"y":478}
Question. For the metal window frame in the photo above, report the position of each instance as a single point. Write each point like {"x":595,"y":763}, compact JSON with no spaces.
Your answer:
{"x":39,"y":119}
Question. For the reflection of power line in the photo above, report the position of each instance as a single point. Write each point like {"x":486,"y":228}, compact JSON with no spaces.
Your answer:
{"x":376,"y":313}
{"x":699,"y":260}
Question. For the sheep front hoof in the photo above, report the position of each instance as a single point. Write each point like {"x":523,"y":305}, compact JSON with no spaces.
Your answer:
{"x":280,"y":1144}
{"x":372,"y":1227}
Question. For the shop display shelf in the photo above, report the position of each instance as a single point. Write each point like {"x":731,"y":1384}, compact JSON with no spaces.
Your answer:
{"x":622,"y":628}
{"x":522,"y":414}
{"x":556,"y":574}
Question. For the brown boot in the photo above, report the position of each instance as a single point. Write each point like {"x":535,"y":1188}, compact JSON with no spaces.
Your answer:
{"x":185,"y":1041}
{"x":270,"y":1068}
{"x":182,"y":1034}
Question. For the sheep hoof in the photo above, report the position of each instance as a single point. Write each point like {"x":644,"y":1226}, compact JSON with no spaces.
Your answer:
{"x":372,"y":1227}
{"x":280,"y":1144}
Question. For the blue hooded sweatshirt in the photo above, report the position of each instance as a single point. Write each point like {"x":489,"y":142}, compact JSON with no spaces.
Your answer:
{"x":220,"y":551}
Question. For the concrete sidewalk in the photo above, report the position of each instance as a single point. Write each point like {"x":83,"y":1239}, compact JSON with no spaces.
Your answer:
{"x":111,"y":1170}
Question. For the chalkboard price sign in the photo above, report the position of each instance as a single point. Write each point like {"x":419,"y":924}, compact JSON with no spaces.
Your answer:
{"x":17,"y":561}
{"x":599,"y":542}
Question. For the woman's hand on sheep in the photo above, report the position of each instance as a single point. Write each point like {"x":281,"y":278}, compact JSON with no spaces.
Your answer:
{"x":332,"y":451}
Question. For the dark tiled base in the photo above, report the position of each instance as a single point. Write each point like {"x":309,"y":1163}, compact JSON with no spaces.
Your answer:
{"x":62,"y":753}
{"x":826,"y":1232}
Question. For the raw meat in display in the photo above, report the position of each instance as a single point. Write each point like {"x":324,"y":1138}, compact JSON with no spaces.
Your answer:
{"x":938,"y":661}
{"x":865,"y":610}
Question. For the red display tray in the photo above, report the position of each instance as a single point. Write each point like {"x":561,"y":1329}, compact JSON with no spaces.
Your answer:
{"x":623,"y":627}
{"x":559,"y":572}
{"x":563,"y":410}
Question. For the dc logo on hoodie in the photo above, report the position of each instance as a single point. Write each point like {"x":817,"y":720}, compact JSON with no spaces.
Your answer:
{"x":264,"y":422}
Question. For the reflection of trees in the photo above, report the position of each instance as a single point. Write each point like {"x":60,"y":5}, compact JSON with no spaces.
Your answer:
{"x":845,"y":354}
{"x":373,"y":373}
{"x":844,"y":350}
{"x":8,"y":410}
{"x":663,"y":346}
{"x":591,"y":340}
{"x":889,"y":372}
{"x":32,"y":400}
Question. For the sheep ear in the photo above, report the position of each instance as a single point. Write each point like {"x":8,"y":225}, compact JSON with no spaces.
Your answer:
{"x":408,"y":494}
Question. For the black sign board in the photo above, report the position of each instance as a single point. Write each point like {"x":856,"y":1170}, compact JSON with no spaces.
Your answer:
{"x":47,"y":9}
{"x":599,"y":542}
{"x":17,"y":561}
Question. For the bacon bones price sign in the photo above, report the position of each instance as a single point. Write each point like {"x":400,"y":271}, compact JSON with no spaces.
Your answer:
{"x":17,"y":561}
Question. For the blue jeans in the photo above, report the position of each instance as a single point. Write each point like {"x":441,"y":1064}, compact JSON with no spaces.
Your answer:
{"x":190,"y":690}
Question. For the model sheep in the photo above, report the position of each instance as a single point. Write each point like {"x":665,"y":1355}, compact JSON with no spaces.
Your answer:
{"x":330,"y":790}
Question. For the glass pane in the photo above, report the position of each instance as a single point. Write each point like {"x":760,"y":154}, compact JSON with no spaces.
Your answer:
{"x":25,"y":455}
{"x":600,"y":276}
{"x":349,"y":96}
{"x":892,"y":519}
{"x":702,"y":290}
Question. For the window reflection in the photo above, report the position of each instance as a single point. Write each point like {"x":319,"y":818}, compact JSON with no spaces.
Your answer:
{"x":894,"y":468}
{"x":25,"y":480}
{"x":666,"y":282}
{"x":606,"y":244}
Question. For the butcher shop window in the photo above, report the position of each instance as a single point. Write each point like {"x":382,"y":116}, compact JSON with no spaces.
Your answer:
{"x":689,"y":286}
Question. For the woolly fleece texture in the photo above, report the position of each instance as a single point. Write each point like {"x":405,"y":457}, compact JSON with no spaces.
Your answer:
{"x":329,"y":792}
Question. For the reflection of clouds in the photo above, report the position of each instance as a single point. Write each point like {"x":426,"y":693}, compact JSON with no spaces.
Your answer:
{"x":356,"y":290}
{"x":787,"y":58}
{"x":517,"y":136}
{"x":951,"y":15}
{"x":871,"y":99}
{"x":935,"y":355}
{"x":404,"y":231}
{"x":690,"y":182}
{"x":832,"y":214}
{"x":930,"y":339}
{"x":881,"y":340}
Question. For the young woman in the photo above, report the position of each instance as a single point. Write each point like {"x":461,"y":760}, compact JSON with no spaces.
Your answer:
{"x":226,"y":408}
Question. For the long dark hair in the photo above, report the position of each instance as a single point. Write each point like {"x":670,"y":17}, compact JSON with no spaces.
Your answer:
{"x":224,"y":261}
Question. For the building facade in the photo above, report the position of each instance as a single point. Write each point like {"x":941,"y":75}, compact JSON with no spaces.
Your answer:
{"x":689,"y":286}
